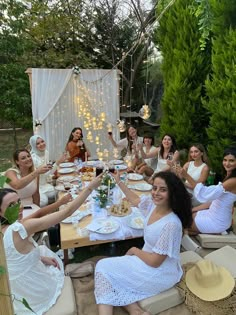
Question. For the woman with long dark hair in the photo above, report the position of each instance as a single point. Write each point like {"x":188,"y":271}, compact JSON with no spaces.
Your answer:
{"x":215,"y":214}
{"x":197,"y":167}
{"x":167,"y":154}
{"x":75,"y":145}
{"x":142,"y":273}
{"x":132,"y":138}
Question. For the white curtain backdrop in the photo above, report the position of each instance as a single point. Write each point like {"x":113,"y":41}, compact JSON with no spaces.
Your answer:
{"x":62,"y":100}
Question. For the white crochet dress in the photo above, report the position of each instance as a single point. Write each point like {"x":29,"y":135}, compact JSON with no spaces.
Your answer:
{"x":124,"y":280}
{"x":29,"y":278}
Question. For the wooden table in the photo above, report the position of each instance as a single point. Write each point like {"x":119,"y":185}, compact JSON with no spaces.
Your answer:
{"x":71,"y":239}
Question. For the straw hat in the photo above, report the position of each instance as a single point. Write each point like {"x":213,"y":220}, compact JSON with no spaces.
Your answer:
{"x":209,"y":282}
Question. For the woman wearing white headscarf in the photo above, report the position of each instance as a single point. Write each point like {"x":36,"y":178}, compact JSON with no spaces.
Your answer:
{"x":40,"y":157}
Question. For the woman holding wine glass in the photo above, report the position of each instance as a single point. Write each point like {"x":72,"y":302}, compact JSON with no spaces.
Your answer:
{"x":130,"y":144}
{"x":76,"y":147}
{"x":167,"y":154}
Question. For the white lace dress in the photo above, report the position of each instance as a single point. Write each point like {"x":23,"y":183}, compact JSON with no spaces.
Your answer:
{"x":124,"y":280}
{"x":218,"y":218}
{"x":29,"y":278}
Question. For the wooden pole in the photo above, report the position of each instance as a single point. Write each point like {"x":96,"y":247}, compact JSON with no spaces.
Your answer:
{"x":6,"y":307}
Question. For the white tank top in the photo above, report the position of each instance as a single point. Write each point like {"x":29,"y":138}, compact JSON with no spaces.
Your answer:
{"x":195,"y":171}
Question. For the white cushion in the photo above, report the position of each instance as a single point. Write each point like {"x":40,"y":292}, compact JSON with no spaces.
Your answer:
{"x":171,"y":297}
{"x":216,"y":241}
{"x":65,"y":304}
{"x":226,"y":257}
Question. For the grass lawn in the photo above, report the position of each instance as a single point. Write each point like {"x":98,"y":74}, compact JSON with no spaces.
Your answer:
{"x":8,"y":146}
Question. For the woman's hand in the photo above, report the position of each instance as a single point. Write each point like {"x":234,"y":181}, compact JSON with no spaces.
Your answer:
{"x":43,"y":169}
{"x":65,"y":199}
{"x":49,"y":261}
{"x":80,"y":143}
{"x":116,"y":176}
{"x":131,"y":251}
{"x":62,"y":158}
{"x":181,"y":171}
{"x":95,"y":182}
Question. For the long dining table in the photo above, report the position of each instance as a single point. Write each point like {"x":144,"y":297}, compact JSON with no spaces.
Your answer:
{"x":75,"y":232}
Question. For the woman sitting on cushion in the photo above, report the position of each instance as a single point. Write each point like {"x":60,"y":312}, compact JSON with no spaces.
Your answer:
{"x":142,"y":273}
{"x":215,"y":214}
{"x":35,"y":272}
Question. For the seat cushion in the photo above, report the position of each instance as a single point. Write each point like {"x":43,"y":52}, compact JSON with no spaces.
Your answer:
{"x":226,"y":257}
{"x":65,"y":304}
{"x":171,"y":297}
{"x":216,"y":241}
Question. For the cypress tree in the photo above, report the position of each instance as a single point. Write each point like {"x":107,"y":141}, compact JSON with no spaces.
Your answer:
{"x":221,"y":85}
{"x":185,"y":67}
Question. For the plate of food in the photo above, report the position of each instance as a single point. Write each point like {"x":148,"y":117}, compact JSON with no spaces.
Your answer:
{"x":120,"y":210}
{"x":86,"y":169}
{"x":121,"y":167}
{"x":134,"y":176}
{"x":66,"y":170}
{"x":67,"y":164}
{"x":136,"y":222}
{"x":87,"y":177}
{"x":104,"y":226}
{"x":143,"y":187}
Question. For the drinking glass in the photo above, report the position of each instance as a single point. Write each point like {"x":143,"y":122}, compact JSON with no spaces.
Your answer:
{"x":67,"y":186}
{"x":170,"y":156}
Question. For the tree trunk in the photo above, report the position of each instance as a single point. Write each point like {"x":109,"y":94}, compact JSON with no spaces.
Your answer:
{"x":6,"y":307}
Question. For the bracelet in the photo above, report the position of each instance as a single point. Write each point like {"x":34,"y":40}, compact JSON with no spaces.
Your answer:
{"x":119,"y":182}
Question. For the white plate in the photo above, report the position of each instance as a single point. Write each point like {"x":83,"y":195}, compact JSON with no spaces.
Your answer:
{"x":76,"y":216}
{"x":135,"y":222}
{"x":117,"y":162}
{"x":143,"y":187}
{"x":121,"y":167}
{"x":68,"y":164}
{"x":73,"y":218}
{"x":67,"y":179}
{"x":133,"y":176}
{"x":107,"y":226}
{"x":60,"y":188}
{"x":66,"y":171}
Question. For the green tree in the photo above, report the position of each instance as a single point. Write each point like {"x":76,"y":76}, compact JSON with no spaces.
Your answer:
{"x":185,"y":67}
{"x":221,"y":84}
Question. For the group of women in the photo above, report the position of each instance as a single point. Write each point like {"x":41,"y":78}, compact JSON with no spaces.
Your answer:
{"x":168,"y":210}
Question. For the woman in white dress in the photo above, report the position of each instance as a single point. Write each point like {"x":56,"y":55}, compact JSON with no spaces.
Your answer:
{"x":197,"y":167}
{"x":40,"y":156}
{"x":35,"y":272}
{"x":147,"y":166}
{"x":167,"y":154}
{"x":129,"y":143}
{"x":142,"y":273}
{"x":214,"y":215}
{"x":24,"y":178}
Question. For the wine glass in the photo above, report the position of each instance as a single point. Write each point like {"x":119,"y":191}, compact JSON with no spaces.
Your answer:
{"x":170,"y":156}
